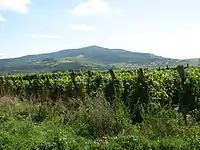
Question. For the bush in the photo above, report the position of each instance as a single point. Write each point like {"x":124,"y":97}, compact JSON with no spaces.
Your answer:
{"x":91,"y":124}
{"x":161,"y":122}
{"x":94,"y":119}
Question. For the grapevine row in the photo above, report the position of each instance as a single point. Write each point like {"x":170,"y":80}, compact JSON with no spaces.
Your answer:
{"x":168,"y":87}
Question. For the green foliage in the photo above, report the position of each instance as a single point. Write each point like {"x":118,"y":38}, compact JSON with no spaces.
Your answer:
{"x":161,"y":122}
{"x":94,"y":126}
{"x":19,"y":131}
{"x":121,"y":109}
{"x":171,"y":87}
{"x":93,"y":119}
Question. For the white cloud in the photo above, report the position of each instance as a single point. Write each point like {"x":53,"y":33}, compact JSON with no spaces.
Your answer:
{"x":81,"y":27}
{"x":92,"y":8}
{"x":183,"y":43}
{"x":2,"y":19}
{"x":44,"y":36}
{"x":19,"y":6}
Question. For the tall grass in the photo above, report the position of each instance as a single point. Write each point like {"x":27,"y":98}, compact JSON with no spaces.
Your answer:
{"x":93,"y":124}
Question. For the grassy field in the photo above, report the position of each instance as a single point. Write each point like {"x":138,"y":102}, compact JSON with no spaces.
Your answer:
{"x":92,"y":124}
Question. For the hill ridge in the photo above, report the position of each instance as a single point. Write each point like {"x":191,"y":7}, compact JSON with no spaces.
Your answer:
{"x":89,"y":57}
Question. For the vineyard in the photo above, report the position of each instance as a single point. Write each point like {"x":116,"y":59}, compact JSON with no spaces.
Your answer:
{"x":138,"y":91}
{"x":171,"y":86}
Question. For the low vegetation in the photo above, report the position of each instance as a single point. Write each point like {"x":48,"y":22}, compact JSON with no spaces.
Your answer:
{"x":93,"y":125}
{"x":146,"y":109}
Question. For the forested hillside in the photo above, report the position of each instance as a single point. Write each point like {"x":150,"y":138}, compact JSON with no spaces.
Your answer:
{"x":87,"y":58}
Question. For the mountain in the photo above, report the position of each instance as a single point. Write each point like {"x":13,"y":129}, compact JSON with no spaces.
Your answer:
{"x":91,"y":57}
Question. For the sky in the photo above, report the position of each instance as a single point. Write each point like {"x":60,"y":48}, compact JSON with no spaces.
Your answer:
{"x":169,"y":28}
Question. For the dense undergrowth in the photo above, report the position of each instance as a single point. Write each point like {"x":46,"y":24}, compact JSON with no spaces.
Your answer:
{"x":143,"y":109}
{"x":93,"y":124}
